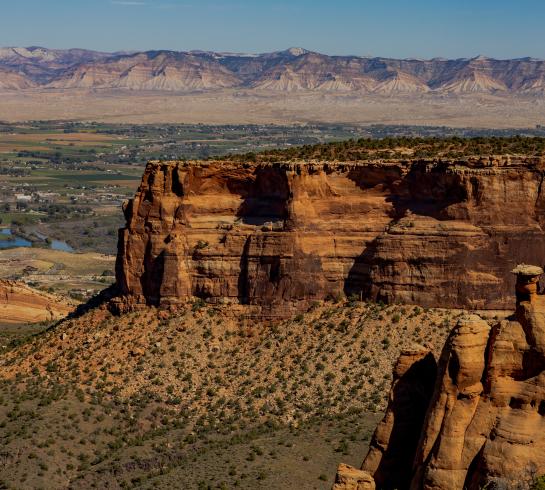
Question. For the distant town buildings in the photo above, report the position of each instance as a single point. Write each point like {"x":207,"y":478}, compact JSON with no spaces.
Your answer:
{"x":23,"y":198}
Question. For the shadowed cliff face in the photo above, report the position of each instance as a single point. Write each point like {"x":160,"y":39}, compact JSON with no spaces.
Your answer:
{"x":283,"y":235}
{"x":395,"y":440}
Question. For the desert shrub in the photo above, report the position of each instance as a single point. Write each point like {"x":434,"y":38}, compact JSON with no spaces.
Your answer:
{"x":539,"y":483}
{"x":201,"y":244}
{"x":197,"y":304}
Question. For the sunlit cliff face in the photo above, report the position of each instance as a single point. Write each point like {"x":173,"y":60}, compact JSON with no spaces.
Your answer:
{"x":283,"y":235}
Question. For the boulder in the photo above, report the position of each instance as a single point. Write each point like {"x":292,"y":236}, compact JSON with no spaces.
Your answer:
{"x":350,"y":478}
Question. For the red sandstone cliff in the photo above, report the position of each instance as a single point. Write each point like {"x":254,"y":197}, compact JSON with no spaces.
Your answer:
{"x":394,"y":444}
{"x":282,"y":235}
{"x":278,"y":235}
{"x":485,"y":425}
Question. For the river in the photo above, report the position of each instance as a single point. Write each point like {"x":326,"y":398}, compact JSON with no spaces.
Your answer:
{"x":16,"y":241}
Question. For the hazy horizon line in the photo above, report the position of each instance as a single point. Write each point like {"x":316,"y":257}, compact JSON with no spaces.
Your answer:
{"x":250,"y":53}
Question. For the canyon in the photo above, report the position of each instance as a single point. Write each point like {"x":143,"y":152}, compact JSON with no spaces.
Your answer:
{"x":264,"y":296}
{"x":279,"y":236}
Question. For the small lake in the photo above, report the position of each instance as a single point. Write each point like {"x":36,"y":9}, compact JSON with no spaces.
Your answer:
{"x":63,"y":246}
{"x":15,"y":241}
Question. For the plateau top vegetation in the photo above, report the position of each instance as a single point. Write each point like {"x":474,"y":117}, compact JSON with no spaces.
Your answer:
{"x":363,"y":149}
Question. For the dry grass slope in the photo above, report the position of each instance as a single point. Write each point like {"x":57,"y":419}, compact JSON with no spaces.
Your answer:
{"x":148,"y":398}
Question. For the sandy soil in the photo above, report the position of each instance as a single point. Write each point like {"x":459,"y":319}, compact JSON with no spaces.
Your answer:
{"x":230,"y":106}
{"x":21,"y":304}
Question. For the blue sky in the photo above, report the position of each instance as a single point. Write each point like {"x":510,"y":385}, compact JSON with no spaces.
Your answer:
{"x":396,"y":28}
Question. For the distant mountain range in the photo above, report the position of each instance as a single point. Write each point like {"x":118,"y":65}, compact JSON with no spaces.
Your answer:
{"x":292,"y":70}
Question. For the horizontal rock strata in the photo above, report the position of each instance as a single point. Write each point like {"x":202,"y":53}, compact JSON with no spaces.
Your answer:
{"x":281,"y":235}
{"x":22,"y":304}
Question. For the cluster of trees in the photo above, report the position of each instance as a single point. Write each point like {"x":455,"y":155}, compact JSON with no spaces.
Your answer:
{"x":14,"y":172}
{"x":62,"y":211}
{"x":58,"y":157}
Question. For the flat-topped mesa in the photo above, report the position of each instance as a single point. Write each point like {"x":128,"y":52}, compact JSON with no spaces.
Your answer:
{"x":281,"y":235}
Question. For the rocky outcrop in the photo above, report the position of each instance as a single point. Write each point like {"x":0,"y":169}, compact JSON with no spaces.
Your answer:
{"x":393,"y":446}
{"x":485,"y":423}
{"x":484,"y":427}
{"x":22,"y":304}
{"x":281,"y":235}
{"x":453,"y":408}
{"x":349,"y":478}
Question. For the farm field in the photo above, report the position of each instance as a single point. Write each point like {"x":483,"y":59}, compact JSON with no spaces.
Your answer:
{"x":77,"y":275}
